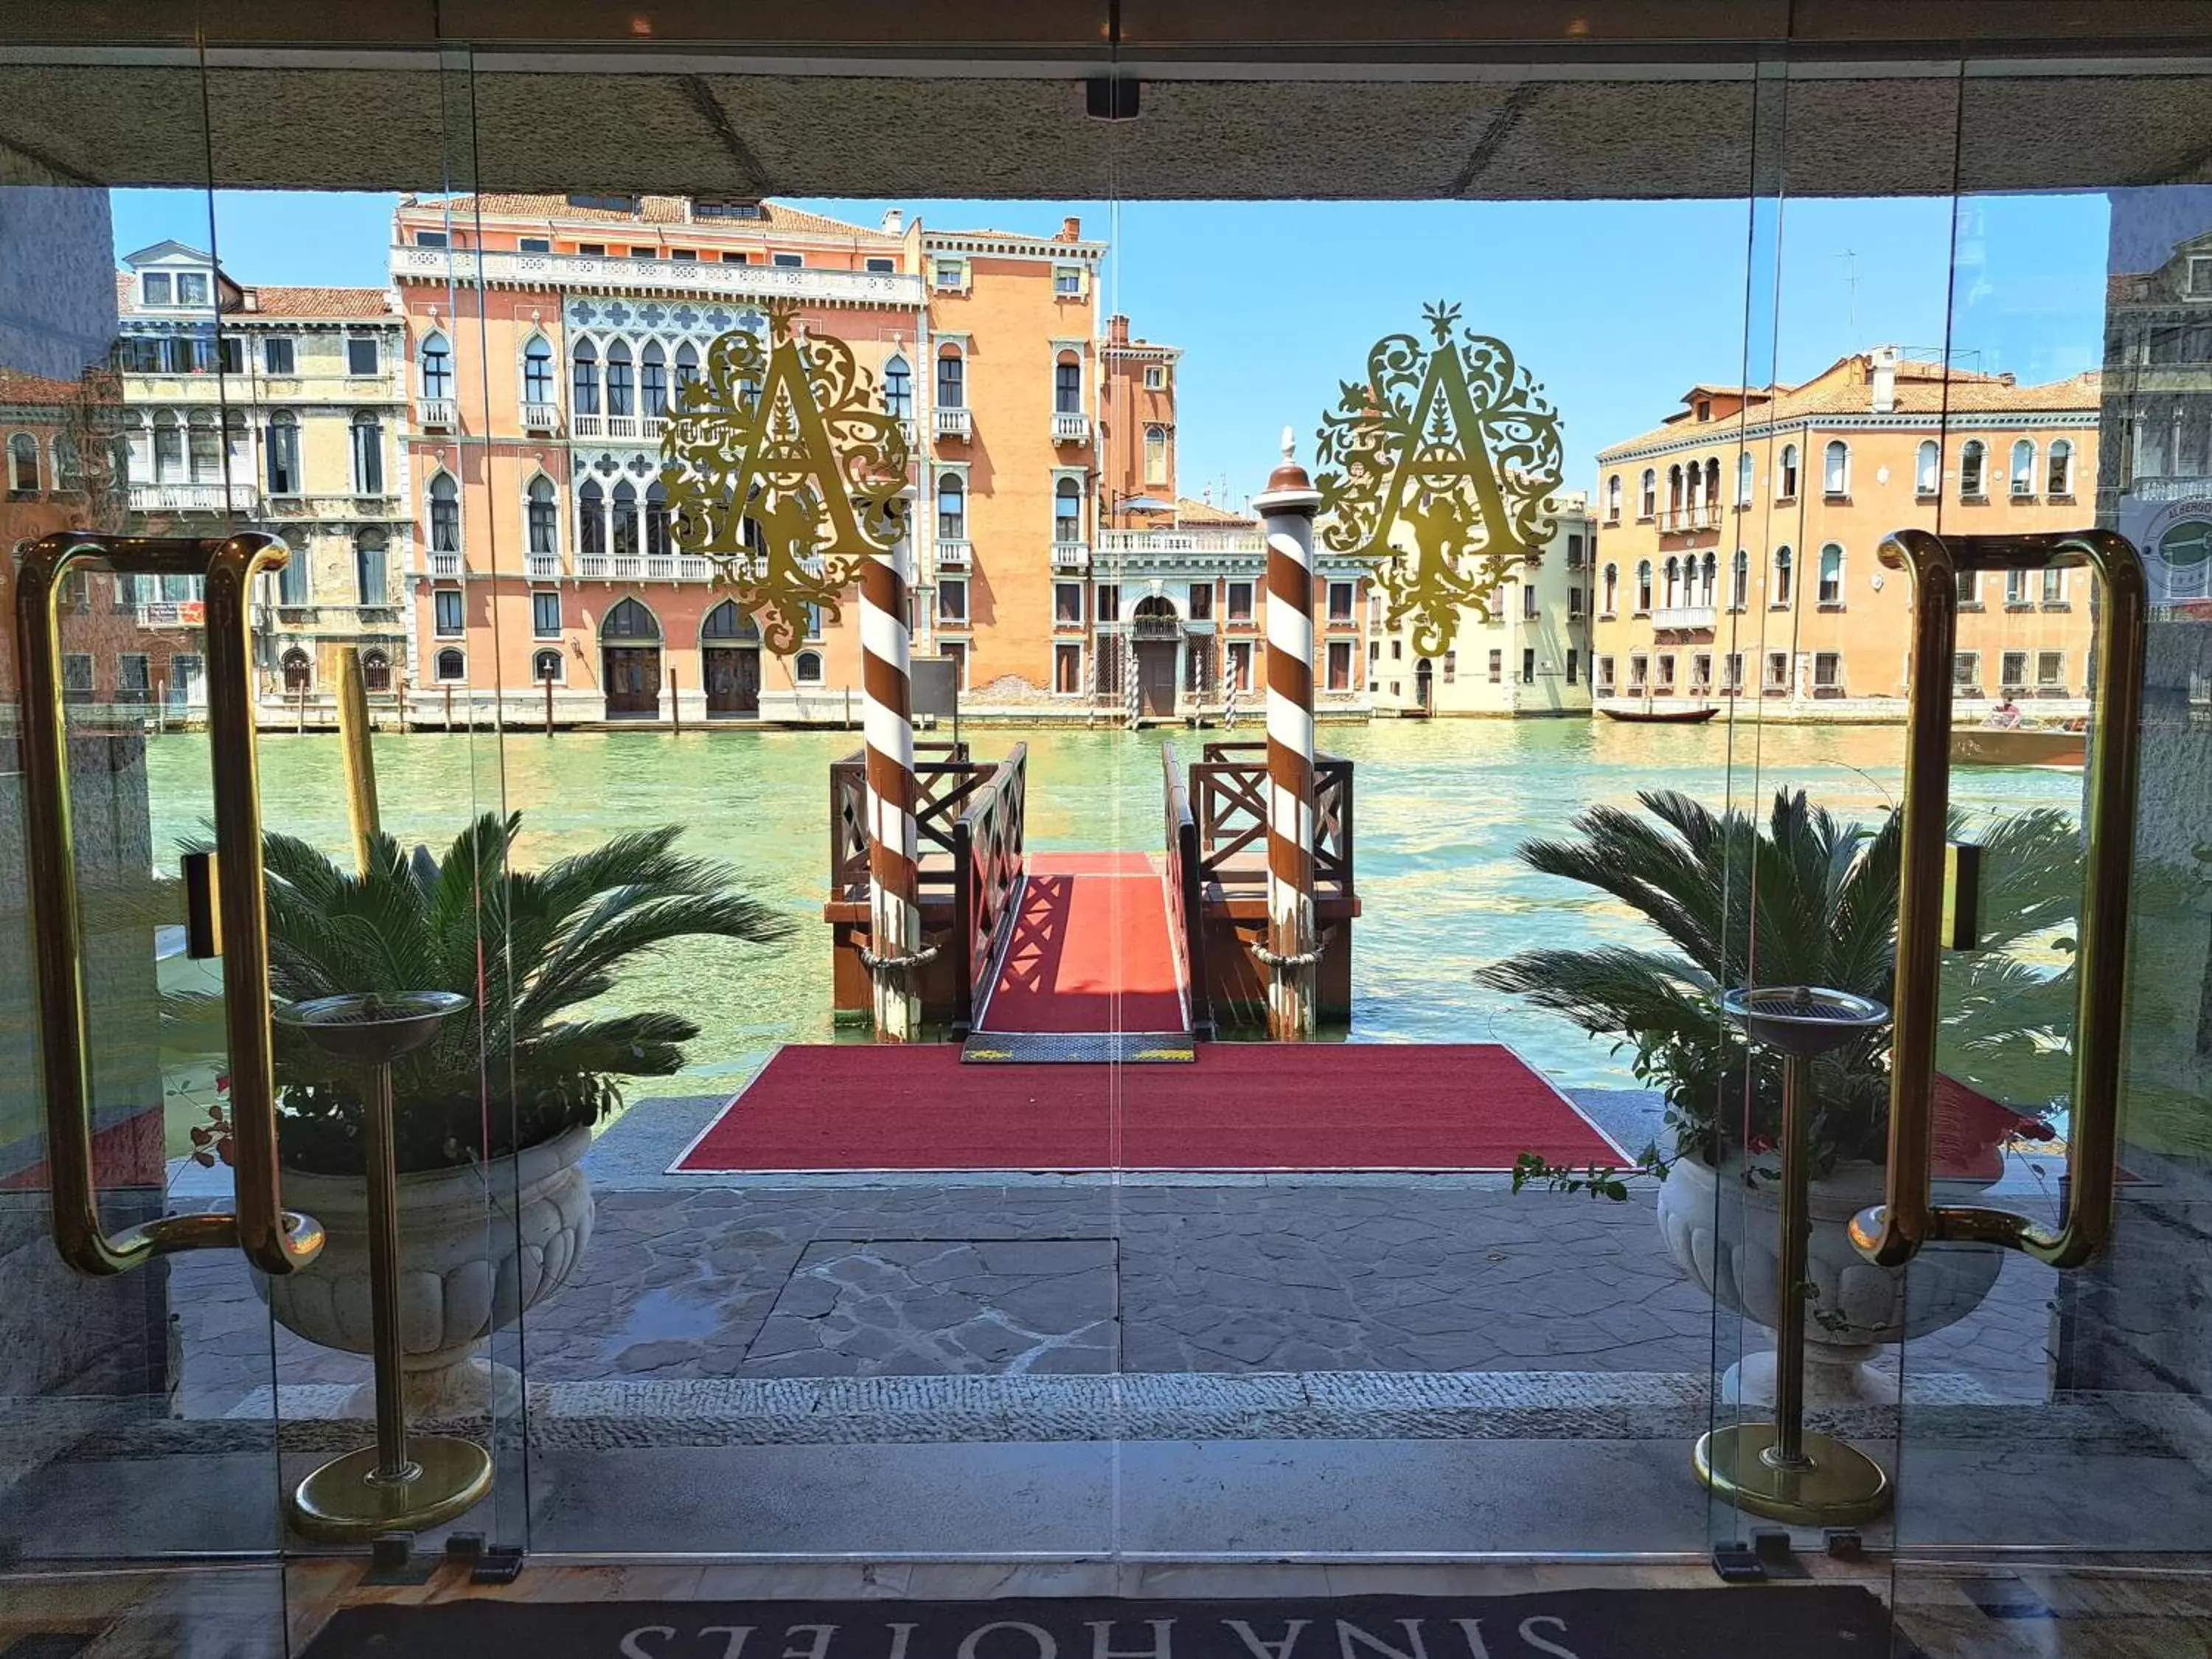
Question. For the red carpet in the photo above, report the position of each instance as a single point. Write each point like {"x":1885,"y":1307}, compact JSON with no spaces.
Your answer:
{"x":1090,"y":950}
{"x":1242,"y":1106}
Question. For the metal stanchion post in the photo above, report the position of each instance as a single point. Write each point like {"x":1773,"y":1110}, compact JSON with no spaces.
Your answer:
{"x":400,"y":1484}
{"x":1777,"y":1470}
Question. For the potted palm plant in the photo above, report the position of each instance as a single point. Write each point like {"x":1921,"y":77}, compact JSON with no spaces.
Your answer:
{"x":494,"y":1115}
{"x":1802,"y":899}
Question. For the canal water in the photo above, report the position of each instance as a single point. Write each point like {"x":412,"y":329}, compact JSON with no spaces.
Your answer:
{"x":1441,"y":807}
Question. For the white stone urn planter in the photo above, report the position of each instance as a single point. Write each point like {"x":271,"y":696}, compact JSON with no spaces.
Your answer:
{"x":1946,"y":1282}
{"x":477,"y":1245}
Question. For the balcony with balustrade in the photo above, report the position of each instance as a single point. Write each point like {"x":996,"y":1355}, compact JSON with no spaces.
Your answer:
{"x":954,"y":422}
{"x":955,"y":552}
{"x":543,"y":567}
{"x":541,"y":417}
{"x":1071,"y":556}
{"x":617,"y":273}
{"x":644,"y":567}
{"x":1686,"y":520}
{"x":1071,"y":429}
{"x":634,"y":428}
{"x":445,"y":563}
{"x":195,"y":498}
{"x":439,"y":415}
{"x":1684,"y":618}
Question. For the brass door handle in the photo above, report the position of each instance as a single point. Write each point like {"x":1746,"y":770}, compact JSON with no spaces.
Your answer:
{"x":1892,"y":1232}
{"x":274,"y":1241}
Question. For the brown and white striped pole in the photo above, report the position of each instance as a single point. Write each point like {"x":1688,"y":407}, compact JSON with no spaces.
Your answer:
{"x":894,"y":952}
{"x":1286,"y":511}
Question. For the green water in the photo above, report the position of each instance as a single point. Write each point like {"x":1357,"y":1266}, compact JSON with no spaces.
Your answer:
{"x":1440,"y":808}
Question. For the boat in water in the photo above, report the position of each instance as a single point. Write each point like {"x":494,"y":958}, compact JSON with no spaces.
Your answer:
{"x":2018,"y":745}
{"x":1662,"y":716}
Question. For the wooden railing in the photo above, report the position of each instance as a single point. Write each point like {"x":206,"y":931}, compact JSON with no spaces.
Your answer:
{"x":944,"y":780}
{"x":1186,"y":894}
{"x":987,"y":873}
{"x":1228,"y":801}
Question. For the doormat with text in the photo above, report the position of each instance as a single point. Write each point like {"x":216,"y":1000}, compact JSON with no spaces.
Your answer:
{"x":1802,"y":1621}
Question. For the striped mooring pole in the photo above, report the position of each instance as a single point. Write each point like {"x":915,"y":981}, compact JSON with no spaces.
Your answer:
{"x":1291,"y":954}
{"x":894,"y":952}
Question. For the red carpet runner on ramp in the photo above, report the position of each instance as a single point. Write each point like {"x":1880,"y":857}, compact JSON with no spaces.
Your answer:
{"x":1090,"y":950}
{"x":1244,"y":1106}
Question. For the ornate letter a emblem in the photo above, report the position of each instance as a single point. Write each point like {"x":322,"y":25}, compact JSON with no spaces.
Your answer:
{"x":1439,"y":471}
{"x":782,"y":466}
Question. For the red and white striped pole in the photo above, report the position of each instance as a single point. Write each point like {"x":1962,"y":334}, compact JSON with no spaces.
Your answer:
{"x":1286,"y":511}
{"x":894,"y":952}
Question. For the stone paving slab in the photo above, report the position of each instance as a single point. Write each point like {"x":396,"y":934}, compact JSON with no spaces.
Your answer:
{"x":868,"y":1280}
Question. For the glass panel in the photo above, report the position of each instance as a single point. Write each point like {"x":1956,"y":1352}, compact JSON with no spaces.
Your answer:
{"x":1338,"y":1318}
{"x":1301,"y":1279}
{"x":752,"y":1272}
{"x":2089,"y":296}
{"x":137,"y":1404}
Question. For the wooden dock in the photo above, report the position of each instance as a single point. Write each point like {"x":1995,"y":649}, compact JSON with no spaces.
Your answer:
{"x":981,"y":888}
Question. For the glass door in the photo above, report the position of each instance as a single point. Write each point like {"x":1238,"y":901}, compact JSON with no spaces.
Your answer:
{"x":218,"y":533}
{"x":137,"y":1377}
{"x":2075,"y":702}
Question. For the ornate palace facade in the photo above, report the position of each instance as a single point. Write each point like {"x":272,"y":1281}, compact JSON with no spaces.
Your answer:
{"x":546,"y":337}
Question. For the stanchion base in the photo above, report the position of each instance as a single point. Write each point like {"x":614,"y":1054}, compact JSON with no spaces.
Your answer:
{"x":1839,"y":1487}
{"x":339,"y":1501}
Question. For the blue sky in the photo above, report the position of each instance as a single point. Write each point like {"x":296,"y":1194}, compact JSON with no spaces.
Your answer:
{"x":1617,"y":306}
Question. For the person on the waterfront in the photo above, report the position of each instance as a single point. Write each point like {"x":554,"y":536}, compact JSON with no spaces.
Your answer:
{"x":2006,"y":714}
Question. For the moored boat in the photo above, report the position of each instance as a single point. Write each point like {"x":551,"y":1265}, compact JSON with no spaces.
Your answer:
{"x":2017,"y":745}
{"x":1662,"y":716}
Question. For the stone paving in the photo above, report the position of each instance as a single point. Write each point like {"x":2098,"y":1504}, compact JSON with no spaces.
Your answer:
{"x":937,"y":1278}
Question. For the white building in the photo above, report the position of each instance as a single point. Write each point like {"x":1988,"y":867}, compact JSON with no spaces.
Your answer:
{"x":1532,"y":658}
{"x":276,"y":409}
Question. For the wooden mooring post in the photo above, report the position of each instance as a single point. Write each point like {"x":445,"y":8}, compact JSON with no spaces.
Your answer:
{"x":354,"y":731}
{"x":1291,"y":954}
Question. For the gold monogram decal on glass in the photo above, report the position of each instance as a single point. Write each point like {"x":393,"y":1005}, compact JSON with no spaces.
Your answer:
{"x":1439,"y":471}
{"x":782,"y":466}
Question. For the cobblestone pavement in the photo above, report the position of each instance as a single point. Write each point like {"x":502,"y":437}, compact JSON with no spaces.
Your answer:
{"x":946,"y":1279}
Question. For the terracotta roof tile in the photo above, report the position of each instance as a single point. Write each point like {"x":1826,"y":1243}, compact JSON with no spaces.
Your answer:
{"x":282,"y":301}
{"x":1842,"y":389}
{"x":319,"y":302}
{"x":18,"y":387}
{"x":1188,"y":511}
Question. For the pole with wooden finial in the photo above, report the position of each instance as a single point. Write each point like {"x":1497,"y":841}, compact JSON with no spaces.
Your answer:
{"x":894,"y":953}
{"x":1291,"y":954}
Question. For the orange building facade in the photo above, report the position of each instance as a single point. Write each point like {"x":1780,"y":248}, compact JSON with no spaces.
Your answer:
{"x":1737,"y":541}
{"x":546,"y":336}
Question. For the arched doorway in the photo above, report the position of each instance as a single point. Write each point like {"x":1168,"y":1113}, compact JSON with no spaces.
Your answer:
{"x":730,"y":662}
{"x":1156,"y":633}
{"x":298,"y":671}
{"x":1424,"y":686}
{"x":629,"y":646}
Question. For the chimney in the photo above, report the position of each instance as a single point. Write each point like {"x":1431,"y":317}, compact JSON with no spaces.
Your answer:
{"x":894,"y":222}
{"x":1884,"y":359}
{"x":1117,"y":330}
{"x":1070,"y":230}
